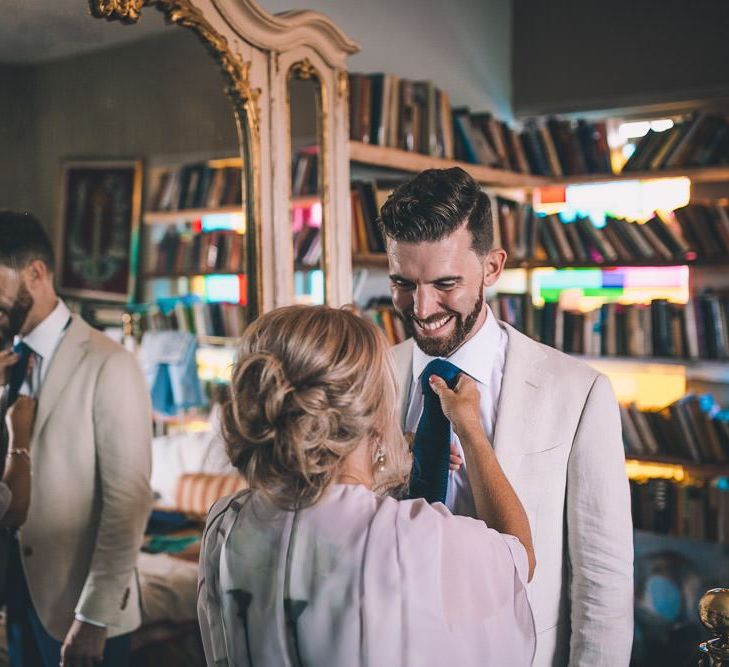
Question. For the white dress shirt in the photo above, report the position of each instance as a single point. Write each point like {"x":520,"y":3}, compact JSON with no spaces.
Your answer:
{"x":44,"y":341}
{"x":483,"y":358}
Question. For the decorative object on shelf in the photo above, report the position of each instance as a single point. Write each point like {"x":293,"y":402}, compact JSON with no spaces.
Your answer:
{"x":714,"y":615}
{"x":168,"y":360}
{"x":97,"y":242}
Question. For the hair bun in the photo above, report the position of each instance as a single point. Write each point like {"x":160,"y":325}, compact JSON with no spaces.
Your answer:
{"x":261,"y":389}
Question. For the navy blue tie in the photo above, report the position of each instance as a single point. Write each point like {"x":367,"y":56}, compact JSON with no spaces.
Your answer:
{"x":18,"y":372}
{"x":432,"y":446}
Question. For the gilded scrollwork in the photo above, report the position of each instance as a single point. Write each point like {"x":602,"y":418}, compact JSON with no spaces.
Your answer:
{"x":184,"y":13}
{"x":304,"y":69}
{"x":342,"y":84}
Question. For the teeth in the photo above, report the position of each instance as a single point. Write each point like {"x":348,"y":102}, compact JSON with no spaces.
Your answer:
{"x":432,"y":326}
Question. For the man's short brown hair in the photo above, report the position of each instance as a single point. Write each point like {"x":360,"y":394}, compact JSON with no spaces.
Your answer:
{"x":435,"y":204}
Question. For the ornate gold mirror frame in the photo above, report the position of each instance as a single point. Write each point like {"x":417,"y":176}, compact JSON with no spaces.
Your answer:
{"x":245,"y":107}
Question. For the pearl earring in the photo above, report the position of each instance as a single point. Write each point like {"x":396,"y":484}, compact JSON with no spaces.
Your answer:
{"x":380,"y":459}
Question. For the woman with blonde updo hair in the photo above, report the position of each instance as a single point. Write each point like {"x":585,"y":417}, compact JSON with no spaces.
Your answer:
{"x":318,"y":563}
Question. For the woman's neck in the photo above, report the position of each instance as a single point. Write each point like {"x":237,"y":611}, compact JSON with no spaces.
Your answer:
{"x":357,"y":467}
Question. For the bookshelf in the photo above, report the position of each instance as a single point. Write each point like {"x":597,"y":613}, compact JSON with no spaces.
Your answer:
{"x":636,"y":373}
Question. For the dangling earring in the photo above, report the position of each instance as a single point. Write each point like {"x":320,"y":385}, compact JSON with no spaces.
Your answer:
{"x":380,"y":459}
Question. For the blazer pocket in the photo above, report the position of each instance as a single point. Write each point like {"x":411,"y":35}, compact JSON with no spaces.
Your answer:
{"x":542,"y":447}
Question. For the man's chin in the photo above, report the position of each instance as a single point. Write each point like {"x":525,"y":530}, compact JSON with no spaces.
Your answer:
{"x":440,"y":346}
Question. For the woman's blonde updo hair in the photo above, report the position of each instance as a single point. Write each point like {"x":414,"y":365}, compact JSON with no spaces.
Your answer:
{"x":310,"y":385}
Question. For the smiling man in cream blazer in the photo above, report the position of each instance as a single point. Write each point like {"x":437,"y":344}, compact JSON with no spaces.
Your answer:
{"x":72,"y":590}
{"x":553,"y":421}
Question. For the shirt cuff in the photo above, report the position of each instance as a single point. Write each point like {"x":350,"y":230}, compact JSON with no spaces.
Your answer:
{"x":83,"y":619}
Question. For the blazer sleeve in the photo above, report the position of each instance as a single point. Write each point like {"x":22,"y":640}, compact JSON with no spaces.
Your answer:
{"x":122,"y":432}
{"x":600,"y":536}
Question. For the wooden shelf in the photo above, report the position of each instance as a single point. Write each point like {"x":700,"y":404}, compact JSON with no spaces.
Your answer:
{"x":151,"y":275}
{"x":380,"y":260}
{"x":394,"y":158}
{"x":186,"y":215}
{"x":715,"y":174}
{"x":375,"y":260}
{"x":705,"y":470}
{"x":701,"y":370}
{"x":217,"y":341}
{"x":305,"y":200}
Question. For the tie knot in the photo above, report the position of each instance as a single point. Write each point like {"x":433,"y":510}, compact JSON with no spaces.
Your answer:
{"x":22,"y":349}
{"x":443,"y":369}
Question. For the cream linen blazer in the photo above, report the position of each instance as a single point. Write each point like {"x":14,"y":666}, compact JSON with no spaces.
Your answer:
{"x":558,"y":439}
{"x":90,"y":490}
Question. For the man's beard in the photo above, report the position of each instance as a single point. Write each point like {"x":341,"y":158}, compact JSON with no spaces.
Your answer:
{"x":445,"y":346}
{"x":15,"y":316}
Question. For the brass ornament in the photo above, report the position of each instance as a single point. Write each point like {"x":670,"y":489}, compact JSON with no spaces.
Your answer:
{"x":184,"y":13}
{"x":714,"y":614}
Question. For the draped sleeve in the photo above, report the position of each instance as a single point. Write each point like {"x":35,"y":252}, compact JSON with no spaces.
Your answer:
{"x":461,"y":586}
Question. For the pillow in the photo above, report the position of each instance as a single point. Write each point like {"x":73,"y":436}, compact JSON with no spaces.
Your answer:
{"x":196,"y":492}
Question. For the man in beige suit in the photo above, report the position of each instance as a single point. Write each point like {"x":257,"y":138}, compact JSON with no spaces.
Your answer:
{"x":553,"y":421}
{"x":72,"y":591}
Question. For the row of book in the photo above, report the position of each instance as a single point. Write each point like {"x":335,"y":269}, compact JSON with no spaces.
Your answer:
{"x":195,"y":186}
{"x":305,"y":172}
{"x":381,"y":312}
{"x":307,"y":246}
{"x":690,"y":233}
{"x":202,"y":318}
{"x":694,"y":429}
{"x":700,"y":513}
{"x":386,"y":110}
{"x":367,"y":199}
{"x":698,"y":329}
{"x":700,"y":140}
{"x":182,"y":251}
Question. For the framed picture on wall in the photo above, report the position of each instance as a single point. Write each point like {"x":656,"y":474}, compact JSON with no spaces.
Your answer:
{"x":98,"y":231}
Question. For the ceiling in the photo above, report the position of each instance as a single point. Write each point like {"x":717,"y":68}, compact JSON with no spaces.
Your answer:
{"x":33,"y":31}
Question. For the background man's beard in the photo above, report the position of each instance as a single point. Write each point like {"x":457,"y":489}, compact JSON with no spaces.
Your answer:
{"x":445,"y":346}
{"x":16,"y":316}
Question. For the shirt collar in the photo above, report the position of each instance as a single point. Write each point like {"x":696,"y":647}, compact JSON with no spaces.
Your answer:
{"x":44,"y":338}
{"x":475,"y":357}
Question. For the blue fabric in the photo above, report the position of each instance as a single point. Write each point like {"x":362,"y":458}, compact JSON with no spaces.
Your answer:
{"x":18,"y":371}
{"x":170,"y":366}
{"x":29,"y":645}
{"x":432,"y":446}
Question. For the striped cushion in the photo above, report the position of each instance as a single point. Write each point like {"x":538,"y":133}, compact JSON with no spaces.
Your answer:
{"x":196,"y":492}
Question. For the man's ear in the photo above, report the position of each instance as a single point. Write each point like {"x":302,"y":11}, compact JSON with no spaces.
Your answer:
{"x":494,"y":264}
{"x":35,"y":273}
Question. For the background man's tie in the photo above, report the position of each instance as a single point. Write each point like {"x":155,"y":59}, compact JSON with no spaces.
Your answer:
{"x":18,"y":372}
{"x":432,"y":447}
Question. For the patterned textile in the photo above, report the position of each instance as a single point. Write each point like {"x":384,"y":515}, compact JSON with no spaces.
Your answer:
{"x":196,"y":492}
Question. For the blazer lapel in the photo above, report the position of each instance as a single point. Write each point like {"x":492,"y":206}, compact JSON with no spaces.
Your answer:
{"x":516,"y":431}
{"x":71,"y":350}
{"x":402,"y":356}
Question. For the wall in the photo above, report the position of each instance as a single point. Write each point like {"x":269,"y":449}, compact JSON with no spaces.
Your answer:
{"x":462,"y":45}
{"x":157,"y":96}
{"x":576,"y":56}
{"x":18,"y":138}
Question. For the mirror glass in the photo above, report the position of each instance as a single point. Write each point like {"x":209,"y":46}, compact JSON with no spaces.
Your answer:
{"x":122,"y":141}
{"x":307,"y":224}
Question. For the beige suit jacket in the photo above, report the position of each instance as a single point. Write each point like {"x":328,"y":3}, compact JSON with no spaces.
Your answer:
{"x":558,"y":439}
{"x":90,"y":494}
